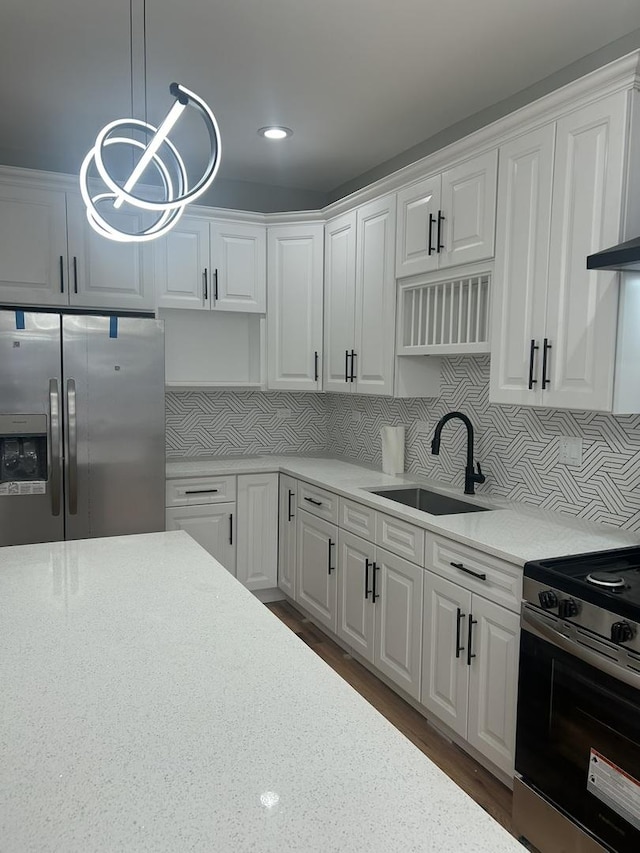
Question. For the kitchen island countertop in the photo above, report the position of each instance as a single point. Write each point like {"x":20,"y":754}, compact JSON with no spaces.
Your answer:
{"x":514,"y":531}
{"x":151,"y":703}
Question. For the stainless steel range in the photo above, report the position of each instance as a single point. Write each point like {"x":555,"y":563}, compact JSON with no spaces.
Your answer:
{"x":578,"y":730}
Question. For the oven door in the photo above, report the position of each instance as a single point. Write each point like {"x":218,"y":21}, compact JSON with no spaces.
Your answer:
{"x":578,"y":730}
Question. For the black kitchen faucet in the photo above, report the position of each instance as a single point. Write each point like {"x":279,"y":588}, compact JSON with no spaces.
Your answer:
{"x":470,"y":476}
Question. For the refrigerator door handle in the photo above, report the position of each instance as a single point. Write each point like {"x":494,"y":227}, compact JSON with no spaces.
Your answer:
{"x":55,"y":479}
{"x":72,"y":447}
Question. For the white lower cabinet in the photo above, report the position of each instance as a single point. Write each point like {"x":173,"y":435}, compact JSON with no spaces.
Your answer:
{"x":287,"y":510}
{"x":317,"y":576}
{"x":257,"y":536}
{"x":470,"y":667}
{"x":211,"y":525}
{"x":398,"y":605}
{"x":356,"y":612}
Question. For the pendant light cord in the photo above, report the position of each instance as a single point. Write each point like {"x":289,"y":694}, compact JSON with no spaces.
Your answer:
{"x":144,"y":56}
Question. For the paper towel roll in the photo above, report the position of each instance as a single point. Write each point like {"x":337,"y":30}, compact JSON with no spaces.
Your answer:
{"x":392,"y":449}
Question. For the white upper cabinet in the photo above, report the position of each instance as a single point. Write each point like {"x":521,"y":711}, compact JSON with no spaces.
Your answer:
{"x":33,"y":246}
{"x":238,"y":257}
{"x":182,"y":265}
{"x":104,"y":273}
{"x":294,"y":307}
{"x":212,"y":264}
{"x":339,"y":295}
{"x":360,"y":300}
{"x":448,"y":219}
{"x":561,"y":198}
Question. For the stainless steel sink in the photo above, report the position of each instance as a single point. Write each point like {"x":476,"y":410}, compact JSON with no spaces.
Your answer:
{"x":431,"y":502}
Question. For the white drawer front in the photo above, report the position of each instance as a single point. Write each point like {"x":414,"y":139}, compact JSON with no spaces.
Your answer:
{"x":318,"y":502}
{"x":358,"y":519}
{"x":476,"y":571}
{"x":400,"y":538}
{"x":192,"y":491}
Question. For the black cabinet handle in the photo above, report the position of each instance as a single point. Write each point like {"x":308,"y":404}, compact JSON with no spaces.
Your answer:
{"x":230,"y":528}
{"x":352,"y":377}
{"x":459,"y":618}
{"x":472,"y":622}
{"x":441,"y":219}
{"x":200,"y":491}
{"x":546,"y":346}
{"x":315,"y":365}
{"x":289,"y":513}
{"x":367,"y":564}
{"x":374,"y":595}
{"x":346,"y":365}
{"x":480,"y":575}
{"x":215,"y":285}
{"x":75,"y":274}
{"x":61,"y":274}
{"x":206,"y":284}
{"x":330,"y":568}
{"x":532,"y":353}
{"x":432,"y":221}
{"x":314,"y":502}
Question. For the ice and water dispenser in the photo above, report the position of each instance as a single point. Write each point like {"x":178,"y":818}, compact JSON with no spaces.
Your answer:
{"x":23,"y":454}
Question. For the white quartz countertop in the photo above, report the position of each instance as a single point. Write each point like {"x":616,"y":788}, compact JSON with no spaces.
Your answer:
{"x":517,"y":532}
{"x":151,"y":703}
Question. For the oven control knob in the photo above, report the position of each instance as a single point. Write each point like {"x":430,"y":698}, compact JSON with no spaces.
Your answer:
{"x":621,"y":632}
{"x":548,"y":599}
{"x":567,"y":608}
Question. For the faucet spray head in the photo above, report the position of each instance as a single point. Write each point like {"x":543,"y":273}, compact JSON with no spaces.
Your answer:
{"x":435,"y":446}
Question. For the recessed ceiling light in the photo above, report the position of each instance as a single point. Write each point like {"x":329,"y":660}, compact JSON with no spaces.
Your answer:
{"x":275,"y":132}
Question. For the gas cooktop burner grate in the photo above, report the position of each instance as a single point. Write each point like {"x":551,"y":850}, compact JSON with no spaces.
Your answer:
{"x":605,"y":580}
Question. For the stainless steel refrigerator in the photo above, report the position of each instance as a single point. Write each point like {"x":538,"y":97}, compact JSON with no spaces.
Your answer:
{"x":82,"y":449}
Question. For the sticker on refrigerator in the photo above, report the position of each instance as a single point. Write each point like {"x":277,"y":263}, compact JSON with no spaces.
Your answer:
{"x":27,"y":487}
{"x":614,"y":787}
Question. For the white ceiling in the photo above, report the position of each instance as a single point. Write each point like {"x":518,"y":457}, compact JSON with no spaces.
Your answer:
{"x":359,"y":81}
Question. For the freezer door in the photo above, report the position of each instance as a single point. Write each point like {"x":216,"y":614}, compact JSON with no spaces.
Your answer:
{"x":30,"y":429}
{"x":113,"y":397}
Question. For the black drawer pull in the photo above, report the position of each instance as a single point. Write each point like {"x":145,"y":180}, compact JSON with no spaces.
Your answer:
{"x":314,"y":502}
{"x":374,"y":595}
{"x":206,"y":284}
{"x":459,"y":618}
{"x":330,"y":568}
{"x":231,"y":528}
{"x":546,"y":346}
{"x":367,"y":565}
{"x":432,"y":221}
{"x":200,"y":491}
{"x":289,"y":513}
{"x":472,"y":622}
{"x":441,"y":219}
{"x":480,"y":575}
{"x":61,"y":274}
{"x":352,"y":377}
{"x":532,"y":353}
{"x":315,"y":366}
{"x":346,"y":365}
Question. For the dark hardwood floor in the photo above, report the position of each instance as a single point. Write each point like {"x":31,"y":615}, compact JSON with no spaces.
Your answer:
{"x":484,"y":788}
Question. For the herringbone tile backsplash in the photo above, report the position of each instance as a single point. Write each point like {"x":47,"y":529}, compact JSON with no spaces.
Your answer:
{"x":516,"y":446}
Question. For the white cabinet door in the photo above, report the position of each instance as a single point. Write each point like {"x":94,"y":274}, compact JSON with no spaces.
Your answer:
{"x":355,"y":605}
{"x":494,"y":682}
{"x":445,"y":672}
{"x":317,"y":585}
{"x":257,"y":531}
{"x":416,"y":247}
{"x":104,"y":273}
{"x":339,"y":295}
{"x":212,"y":526}
{"x":398,"y":630}
{"x":33,"y":246}
{"x":294,"y":299}
{"x":585,"y":217}
{"x":239,"y":262}
{"x":521,"y":268}
{"x":469,"y":208}
{"x":287,"y":554}
{"x":375,"y":297}
{"x":181,"y":261}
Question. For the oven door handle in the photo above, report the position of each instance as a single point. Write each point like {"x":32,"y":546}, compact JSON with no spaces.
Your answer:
{"x":538,"y":626}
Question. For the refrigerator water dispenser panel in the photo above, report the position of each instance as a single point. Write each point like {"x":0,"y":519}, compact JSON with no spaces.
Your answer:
{"x":23,"y":448}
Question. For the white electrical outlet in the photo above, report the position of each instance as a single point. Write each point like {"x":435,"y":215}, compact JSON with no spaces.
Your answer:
{"x":283,"y":414}
{"x":570,"y":451}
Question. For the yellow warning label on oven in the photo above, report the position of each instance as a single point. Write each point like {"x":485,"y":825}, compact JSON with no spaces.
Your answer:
{"x":614,"y":787}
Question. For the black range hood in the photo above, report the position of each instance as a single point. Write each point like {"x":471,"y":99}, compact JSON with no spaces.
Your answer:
{"x":625,"y":257}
